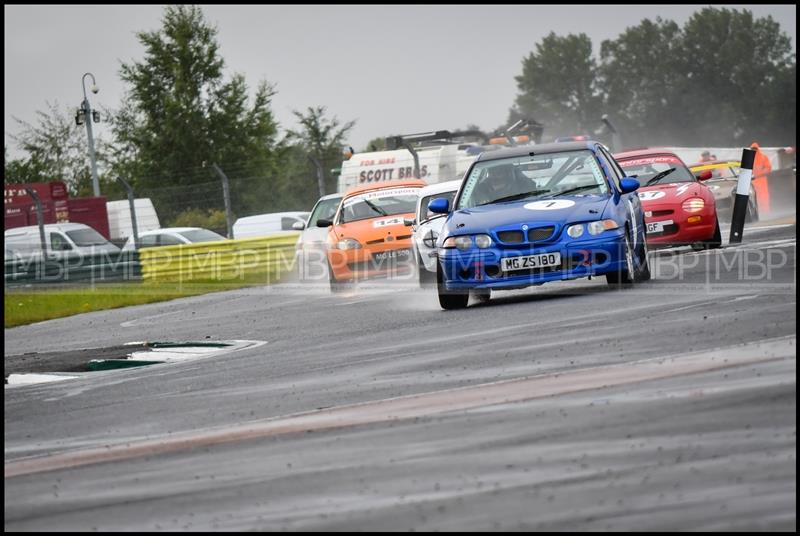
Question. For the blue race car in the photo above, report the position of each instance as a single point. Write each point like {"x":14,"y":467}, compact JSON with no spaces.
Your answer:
{"x":531,"y":214}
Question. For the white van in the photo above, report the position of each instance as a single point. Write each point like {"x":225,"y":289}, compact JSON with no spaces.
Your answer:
{"x":119,"y":218}
{"x":60,"y":238}
{"x":268,"y":224}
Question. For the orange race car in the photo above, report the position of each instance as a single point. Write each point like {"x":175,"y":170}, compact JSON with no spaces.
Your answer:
{"x":367,"y":236}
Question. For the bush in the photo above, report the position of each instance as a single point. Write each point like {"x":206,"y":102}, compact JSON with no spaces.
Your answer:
{"x":213,"y":219}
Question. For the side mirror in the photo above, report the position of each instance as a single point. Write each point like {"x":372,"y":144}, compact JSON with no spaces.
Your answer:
{"x":704,"y":175}
{"x":408,"y":222}
{"x":298,"y":226}
{"x":628,"y":185}
{"x":440,"y":205}
{"x":324,"y":223}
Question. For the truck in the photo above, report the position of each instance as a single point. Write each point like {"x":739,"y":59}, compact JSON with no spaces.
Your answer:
{"x":434,"y":157}
{"x":112,"y":219}
{"x":57,"y":207}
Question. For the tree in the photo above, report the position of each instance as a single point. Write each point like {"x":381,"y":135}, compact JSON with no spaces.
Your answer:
{"x":179,"y":115}
{"x":731,"y":63}
{"x":640,"y":82}
{"x":322,"y":139}
{"x":723,"y":78}
{"x":557,"y":85}
{"x":23,"y":170}
{"x":55,"y":150}
{"x":376,"y":144}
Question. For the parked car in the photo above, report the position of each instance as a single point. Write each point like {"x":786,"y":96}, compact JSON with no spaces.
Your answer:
{"x":426,"y":226}
{"x":722,"y":179}
{"x":173,"y":236}
{"x":679,"y":209}
{"x":61,"y":239}
{"x":525,"y":217}
{"x":311,"y":248}
{"x":367,"y":237}
{"x":268,"y":224}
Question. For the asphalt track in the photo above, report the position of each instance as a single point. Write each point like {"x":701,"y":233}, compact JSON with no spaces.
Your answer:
{"x":669,"y":406}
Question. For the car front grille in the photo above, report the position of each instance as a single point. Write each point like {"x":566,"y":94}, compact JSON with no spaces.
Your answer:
{"x":535,"y":235}
{"x":540,"y":234}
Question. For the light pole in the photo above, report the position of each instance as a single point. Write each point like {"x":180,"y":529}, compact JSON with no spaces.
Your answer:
{"x":87,"y":115}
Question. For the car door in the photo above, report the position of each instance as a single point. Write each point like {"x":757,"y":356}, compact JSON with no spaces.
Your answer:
{"x":628,"y":206}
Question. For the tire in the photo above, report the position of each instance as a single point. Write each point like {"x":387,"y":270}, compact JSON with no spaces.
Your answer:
{"x":626,"y":276}
{"x":449,"y":299}
{"x":424,"y":277}
{"x":752,"y":211}
{"x":716,"y":240}
{"x":337,"y":287}
{"x":751,"y":215}
{"x":643,"y":269}
{"x":483,"y":295}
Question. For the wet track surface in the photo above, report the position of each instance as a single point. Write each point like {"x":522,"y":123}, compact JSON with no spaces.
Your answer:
{"x":712,"y":448}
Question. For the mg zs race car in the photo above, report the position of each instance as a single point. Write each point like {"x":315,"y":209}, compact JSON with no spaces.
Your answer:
{"x":528,"y":215}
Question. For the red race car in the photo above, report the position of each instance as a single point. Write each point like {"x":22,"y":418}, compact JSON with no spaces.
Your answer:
{"x":678,"y":208}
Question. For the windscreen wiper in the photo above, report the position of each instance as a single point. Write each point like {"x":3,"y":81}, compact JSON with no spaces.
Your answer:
{"x":659,"y":176}
{"x":576,"y":189}
{"x":376,"y":208}
{"x":515,"y":197}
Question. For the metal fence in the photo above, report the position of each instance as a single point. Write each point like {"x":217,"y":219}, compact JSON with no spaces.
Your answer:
{"x":48,"y":269}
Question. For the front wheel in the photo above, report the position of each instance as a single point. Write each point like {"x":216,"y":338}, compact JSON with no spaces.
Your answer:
{"x":624,"y":277}
{"x":449,"y":299}
{"x":752,"y":209}
{"x":337,"y":287}
{"x":483,"y":295}
{"x":715,"y":242}
{"x":424,"y":276}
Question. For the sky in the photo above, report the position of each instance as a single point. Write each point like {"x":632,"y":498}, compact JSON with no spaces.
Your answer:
{"x":396,"y":69}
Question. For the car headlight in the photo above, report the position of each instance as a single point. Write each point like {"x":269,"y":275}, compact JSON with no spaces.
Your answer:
{"x":348,"y":243}
{"x":483,"y":241}
{"x":597,"y":227}
{"x":575,"y":231}
{"x":694,"y":204}
{"x":461,"y":242}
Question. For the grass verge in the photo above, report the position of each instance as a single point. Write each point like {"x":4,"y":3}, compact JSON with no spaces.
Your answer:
{"x":35,"y":304}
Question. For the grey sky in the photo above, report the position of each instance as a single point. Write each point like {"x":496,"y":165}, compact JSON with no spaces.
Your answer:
{"x":394,"y":69}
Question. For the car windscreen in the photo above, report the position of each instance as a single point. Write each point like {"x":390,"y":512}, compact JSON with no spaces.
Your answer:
{"x":533,"y":176}
{"x":325,"y":210}
{"x":87,"y":237}
{"x":424,"y":214}
{"x":201,"y":235}
{"x":655,"y":170}
{"x":379,"y":203}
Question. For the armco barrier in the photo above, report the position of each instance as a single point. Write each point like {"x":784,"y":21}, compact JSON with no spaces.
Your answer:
{"x":73,"y":268}
{"x":222,"y":260}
